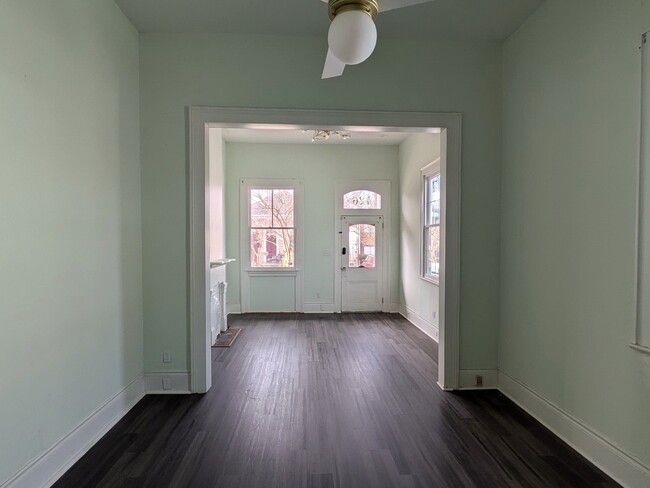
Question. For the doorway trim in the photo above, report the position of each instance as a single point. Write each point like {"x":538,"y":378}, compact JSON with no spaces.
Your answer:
{"x":382,"y":187}
{"x":201,"y":118}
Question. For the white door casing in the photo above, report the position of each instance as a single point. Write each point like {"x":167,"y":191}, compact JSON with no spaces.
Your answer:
{"x":362,"y":264}
{"x":382,"y":188}
{"x":201,"y":118}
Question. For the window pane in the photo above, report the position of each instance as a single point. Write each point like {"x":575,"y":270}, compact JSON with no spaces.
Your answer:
{"x":435,"y":212}
{"x":260,"y":211}
{"x":272,"y":248}
{"x":361,"y":246}
{"x":435,"y":187}
{"x":432,"y":199}
{"x":282,"y":208}
{"x":432,"y":250}
{"x":362,"y":199}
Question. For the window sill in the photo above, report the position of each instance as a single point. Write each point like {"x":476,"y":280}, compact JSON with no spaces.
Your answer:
{"x":434,"y":281}
{"x":640,"y":348}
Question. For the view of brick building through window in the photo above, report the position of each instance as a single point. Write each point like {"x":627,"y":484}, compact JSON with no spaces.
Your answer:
{"x":272,"y":227}
{"x":362,"y":246}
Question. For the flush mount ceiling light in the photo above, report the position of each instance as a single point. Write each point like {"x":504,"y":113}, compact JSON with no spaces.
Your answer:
{"x":352,"y":35}
{"x":324,"y":134}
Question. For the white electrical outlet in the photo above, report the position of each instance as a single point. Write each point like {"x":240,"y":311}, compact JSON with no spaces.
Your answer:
{"x":167,"y":383}
{"x":167,"y":357}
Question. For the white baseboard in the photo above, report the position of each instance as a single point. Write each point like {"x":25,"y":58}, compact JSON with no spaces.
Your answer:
{"x":317,"y":307}
{"x":179,"y":382}
{"x":621,"y":466}
{"x":420,"y":322}
{"x":44,"y":470}
{"x":233,"y":307}
{"x":467,"y":379}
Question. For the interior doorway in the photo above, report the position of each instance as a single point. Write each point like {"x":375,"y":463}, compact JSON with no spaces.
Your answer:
{"x":202,"y":119}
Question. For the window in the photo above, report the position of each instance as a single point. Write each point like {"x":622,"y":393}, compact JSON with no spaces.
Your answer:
{"x":431,"y":214}
{"x":362,"y":246}
{"x":272,"y":230}
{"x":361,"y":200}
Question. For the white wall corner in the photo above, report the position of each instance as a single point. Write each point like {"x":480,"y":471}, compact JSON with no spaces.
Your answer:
{"x":233,"y":307}
{"x":420,"y":322}
{"x":49,"y":466}
{"x":618,"y":464}
{"x":467,"y":379}
{"x":397,"y":308}
{"x":167,"y":382}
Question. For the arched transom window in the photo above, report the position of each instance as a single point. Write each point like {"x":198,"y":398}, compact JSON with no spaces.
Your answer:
{"x":362,"y":200}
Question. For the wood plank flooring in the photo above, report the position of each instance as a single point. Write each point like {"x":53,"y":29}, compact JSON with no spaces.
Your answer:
{"x":332,"y":400}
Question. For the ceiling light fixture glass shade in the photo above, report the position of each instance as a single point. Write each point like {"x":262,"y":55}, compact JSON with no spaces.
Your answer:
{"x":352,"y":36}
{"x":325,"y":134}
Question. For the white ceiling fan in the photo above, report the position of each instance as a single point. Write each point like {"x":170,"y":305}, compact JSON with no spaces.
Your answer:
{"x":352,"y":35}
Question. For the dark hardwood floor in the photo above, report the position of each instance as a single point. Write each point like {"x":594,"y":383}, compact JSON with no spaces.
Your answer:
{"x":336,"y":400}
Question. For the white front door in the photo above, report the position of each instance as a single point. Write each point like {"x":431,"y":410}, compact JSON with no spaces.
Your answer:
{"x":361,"y":263}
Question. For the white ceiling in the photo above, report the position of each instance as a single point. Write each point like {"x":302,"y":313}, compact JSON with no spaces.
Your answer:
{"x":491,"y":20}
{"x":293,"y":136}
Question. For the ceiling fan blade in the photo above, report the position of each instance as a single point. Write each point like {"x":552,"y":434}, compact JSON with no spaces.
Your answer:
{"x":333,"y":67}
{"x":385,"y":5}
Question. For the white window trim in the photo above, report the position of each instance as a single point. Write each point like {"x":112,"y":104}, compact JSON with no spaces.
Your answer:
{"x":246,"y":270}
{"x":431,"y":169}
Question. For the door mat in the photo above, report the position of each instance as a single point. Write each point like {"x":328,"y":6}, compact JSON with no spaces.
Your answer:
{"x":226,"y":338}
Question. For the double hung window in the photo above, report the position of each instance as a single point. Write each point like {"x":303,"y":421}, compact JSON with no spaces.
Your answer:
{"x":272,"y":227}
{"x":431,"y":217}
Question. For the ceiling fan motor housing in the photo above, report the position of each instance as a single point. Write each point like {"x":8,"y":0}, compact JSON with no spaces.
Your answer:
{"x":370,"y":7}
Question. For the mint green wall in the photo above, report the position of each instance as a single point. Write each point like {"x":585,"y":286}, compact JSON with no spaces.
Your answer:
{"x":419,"y":296}
{"x":178,"y":70}
{"x":70,"y":245}
{"x":320,"y":167}
{"x":571,"y":132}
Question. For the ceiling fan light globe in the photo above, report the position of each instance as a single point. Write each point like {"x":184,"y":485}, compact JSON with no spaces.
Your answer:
{"x":352,"y":37}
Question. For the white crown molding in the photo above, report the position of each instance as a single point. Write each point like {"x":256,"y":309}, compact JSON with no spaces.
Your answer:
{"x":594,"y":446}
{"x":49,"y":466}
